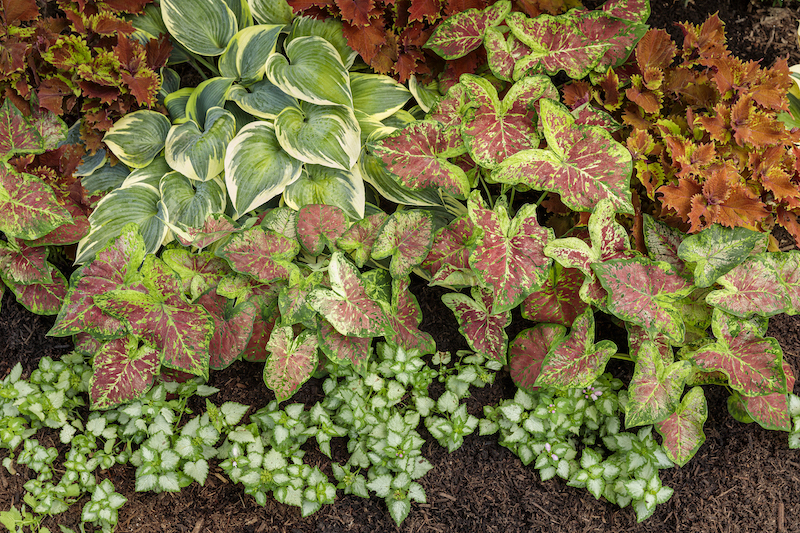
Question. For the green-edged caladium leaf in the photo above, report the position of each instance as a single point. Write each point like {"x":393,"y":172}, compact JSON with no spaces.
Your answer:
{"x":346,"y":304}
{"x":263,"y":99}
{"x":233,"y":326}
{"x":293,"y":299}
{"x":256,"y":349}
{"x":621,"y":36}
{"x":462,"y":32}
{"x":281,"y":220}
{"x":772,"y":411}
{"x":662,"y":243}
{"x":189,"y":203}
{"x":632,"y":10}
{"x":637,"y":336}
{"x":376,"y":95}
{"x":23,"y":264}
{"x":291,"y":361}
{"x":163,"y":318}
{"x":374,"y":172}
{"x":716,"y":250}
{"x":204,"y":27}
{"x":509,"y":255}
{"x":327,"y":135}
{"x":502,"y":53}
{"x":655,"y":389}
{"x":263,"y":254}
{"x":199,"y":272}
{"x":247,"y":52}
{"x":17,"y":135}
{"x":557,"y":300}
{"x":137,"y":138}
{"x":338,"y":347}
{"x":200,"y":155}
{"x":576,"y":361}
{"x":448,"y":259}
{"x":359,"y":238}
{"x":85,"y":344}
{"x":319,"y":226}
{"x":484,"y":329}
{"x":583,"y":164}
{"x":216,"y":227}
{"x":682,"y":431}
{"x":69,"y":233}
{"x":330,"y":186}
{"x":407,"y":237}
{"x":528,"y":351}
{"x":405,"y":319}
{"x":123,"y":370}
{"x":450,"y":109}
{"x":45,"y":298}
{"x":28,"y":206}
{"x":241,"y":287}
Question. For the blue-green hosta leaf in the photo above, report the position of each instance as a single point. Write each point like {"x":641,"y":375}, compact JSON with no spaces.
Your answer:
{"x":406,"y":236}
{"x":210,"y":93}
{"x":122,"y":371}
{"x":138,"y":137}
{"x":241,"y":9}
{"x":320,"y":135}
{"x":717,"y":250}
{"x":291,"y":361}
{"x":682,"y":431}
{"x":377,"y":95}
{"x":256,"y":167}
{"x":190,"y":203}
{"x":200,"y":155}
{"x":262,"y":99}
{"x":330,"y":186}
{"x":329,"y":29}
{"x":484,"y":330}
{"x":313,"y":73}
{"x":655,"y":389}
{"x":247,"y":52}
{"x":271,"y":11}
{"x":203,"y":26}
{"x":175,"y":103}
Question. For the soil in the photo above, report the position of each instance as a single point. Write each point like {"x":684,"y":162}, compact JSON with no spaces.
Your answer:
{"x":744,"y":478}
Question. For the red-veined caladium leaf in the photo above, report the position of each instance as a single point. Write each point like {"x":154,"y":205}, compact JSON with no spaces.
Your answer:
{"x":359,"y":238}
{"x":346,"y":304}
{"x":583,"y":164}
{"x":448,"y":259}
{"x":293,"y":299}
{"x":752,"y":287}
{"x":509,"y":256}
{"x":772,"y":411}
{"x":66,"y":233}
{"x":240,"y":287}
{"x":557,"y":300}
{"x":484,"y":330}
{"x":576,"y":361}
{"x":528,"y":351}
{"x":655,"y":389}
{"x":291,"y":361}
{"x":23,"y":264}
{"x":256,"y":349}
{"x":449,"y":110}
{"x":233,"y":326}
{"x":417,"y":156}
{"x":637,"y":336}
{"x":717,"y":250}
{"x":198,"y":271}
{"x":662,"y":243}
{"x":85,"y":344}
{"x":42,"y":298}
{"x":502,"y":53}
{"x":122,"y":371}
{"x":620,"y":35}
{"x":632,"y":10}
{"x":281,"y":220}
{"x":17,"y":135}
{"x":405,"y":319}
{"x":407,"y":237}
{"x":216,"y":227}
{"x":319,"y":226}
{"x":163,"y":318}
{"x":263,"y":254}
{"x":696,"y":314}
{"x":338,"y":347}
{"x":682,"y":431}
{"x":462,"y":32}
{"x":645,"y":293}
{"x":28,"y":207}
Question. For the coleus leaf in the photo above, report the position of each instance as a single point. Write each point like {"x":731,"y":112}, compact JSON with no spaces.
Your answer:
{"x":682,"y":431}
{"x":448,"y":259}
{"x":263,"y":254}
{"x":199,"y":272}
{"x":293,"y":300}
{"x":557,"y":300}
{"x":123,"y":370}
{"x":405,"y":318}
{"x":17,"y":134}
{"x":463,"y":32}
{"x":291,"y":361}
{"x":483,"y":328}
{"x":406,"y":236}
{"x":359,"y":238}
{"x":319,"y":226}
{"x":338,"y":347}
{"x":763,"y":284}
{"x":45,"y":298}
{"x":528,"y":351}
{"x":233,"y":326}
{"x":772,"y":411}
{"x":717,"y":250}
{"x":23,"y":264}
{"x":28,"y":206}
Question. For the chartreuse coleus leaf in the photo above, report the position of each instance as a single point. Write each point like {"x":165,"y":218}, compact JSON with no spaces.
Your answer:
{"x":291,"y":361}
{"x":528,"y":351}
{"x":327,"y":135}
{"x":575,"y":360}
{"x":583,"y":164}
{"x":43,"y":298}
{"x":509,"y":255}
{"x":233,"y":326}
{"x":200,"y":155}
{"x":682,"y":431}
{"x":319,"y":226}
{"x":338,"y":347}
{"x":483,"y":328}
{"x":204,"y":27}
{"x":463,"y":31}
{"x":377,"y":96}
{"x":406,"y":236}
{"x":28,"y":206}
{"x":405,"y":318}
{"x":557,"y":300}
{"x":717,"y":250}
{"x":359,"y":238}
{"x":24,"y":264}
{"x":247,"y":52}
{"x":17,"y":134}
{"x":263,"y":254}
{"x":162,"y":317}
{"x":319,"y":184}
{"x":123,"y":370}
{"x":137,"y":138}
{"x":448,"y":259}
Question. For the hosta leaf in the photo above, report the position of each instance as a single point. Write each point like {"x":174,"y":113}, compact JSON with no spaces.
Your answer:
{"x":44,"y":298}
{"x":200,"y":155}
{"x":376,"y":95}
{"x":189,"y":203}
{"x":198,"y":271}
{"x":407,"y":237}
{"x":203,"y":26}
{"x":271,"y":11}
{"x":359,"y":238}
{"x":752,"y":287}
{"x":319,"y":226}
{"x":20,"y":263}
{"x":233,"y":326}
{"x":28,"y":206}
{"x":405,"y":319}
{"x":17,"y":134}
{"x":717,"y":250}
{"x":216,"y":226}
{"x":320,"y":134}
{"x":338,"y":347}
{"x":583,"y":164}
{"x":291,"y":361}
{"x":529,"y":350}
{"x":247,"y":52}
{"x":450,"y":251}
{"x":262,"y":99}
{"x":655,"y":389}
{"x":263,"y":254}
{"x":463,"y":31}
{"x":772,"y":411}
{"x":138,"y":137}
{"x":557,"y":300}
{"x":122,"y":371}
{"x":209,"y":94}
{"x":330,"y":186}
{"x":682,"y":431}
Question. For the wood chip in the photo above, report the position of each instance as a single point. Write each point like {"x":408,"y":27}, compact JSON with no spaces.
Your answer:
{"x":199,"y":525}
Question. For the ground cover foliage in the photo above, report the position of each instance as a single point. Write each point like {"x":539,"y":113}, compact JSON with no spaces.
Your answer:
{"x":188,"y":263}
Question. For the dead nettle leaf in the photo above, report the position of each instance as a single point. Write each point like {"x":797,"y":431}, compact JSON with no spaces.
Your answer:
{"x":448,"y":259}
{"x":655,"y":389}
{"x":346,"y":304}
{"x":216,"y":227}
{"x":233,"y":326}
{"x":122,"y":371}
{"x":163,"y":318}
{"x":583,"y":164}
{"x":756,"y":286}
{"x":662,"y":243}
{"x":772,"y":411}
{"x":338,"y":347}
{"x":66,"y":233}
{"x":281,"y":220}
{"x":256,"y":349}
{"x":682,"y":431}
{"x":529,"y":350}
{"x":576,"y":361}
{"x":291,"y":361}
{"x":405,"y":319}
{"x":484,"y":330}
{"x":293,"y":299}
{"x":263,"y":254}
{"x":319,"y":226}
{"x":557,"y":300}
{"x":199,"y":271}
{"x":28,"y":207}
{"x":44,"y":298}
{"x":503,"y":52}
{"x":637,"y":336}
{"x":406,"y":236}
{"x":359,"y":238}
{"x":17,"y":135}
{"x":717,"y":250}
{"x":509,"y":256}
{"x":462,"y":32}
{"x":23,"y":264}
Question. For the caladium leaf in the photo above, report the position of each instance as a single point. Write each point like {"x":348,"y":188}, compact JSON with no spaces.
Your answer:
{"x":190,"y":203}
{"x":281,"y":220}
{"x":122,"y":371}
{"x":662,"y":243}
{"x":757,"y":286}
{"x":291,"y":361}
{"x":85,"y":344}
{"x":583,"y":164}
{"x":263,"y":254}
{"x":319,"y":226}
{"x":28,"y":206}
{"x":203,"y":27}
{"x":23,"y":264}
{"x":557,"y":300}
{"x":45,"y":298}
{"x":359,"y":238}
{"x":256,"y":349}
{"x":293,"y":300}
{"x":199,"y":272}
{"x":484,"y":329}
{"x":502,"y":53}
{"x":326,"y":135}
{"x":717,"y":250}
{"x":463,"y":31}
{"x":338,"y":347}
{"x":374,"y":172}
{"x":137,"y":138}
{"x":682,"y":431}
{"x":17,"y":134}
{"x":528,"y":351}
{"x":637,"y":336}
{"x":772,"y":411}
{"x":67,"y":233}
{"x":233,"y":326}
{"x":405,"y":319}
{"x":330,"y":186}
{"x":200,"y":155}
{"x":633,"y":10}
{"x":449,"y":255}
{"x":216,"y":226}
{"x":407,"y":237}
{"x":620,"y":35}
{"x":247,"y":52}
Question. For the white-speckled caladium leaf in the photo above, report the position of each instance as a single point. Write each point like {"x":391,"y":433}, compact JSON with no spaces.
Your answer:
{"x":583,"y":164}
{"x":557,"y":301}
{"x":293,"y":300}
{"x":754,"y":286}
{"x":359,"y":238}
{"x":217,"y":226}
{"x":233,"y":326}
{"x":23,"y":264}
{"x":407,"y":237}
{"x":17,"y":134}
{"x":503,"y":52}
{"x":291,"y":361}
{"x":576,"y":361}
{"x":200,"y":155}
{"x":655,"y":389}
{"x":528,"y":351}
{"x":199,"y":271}
{"x":210,"y":93}
{"x":716,"y":250}
{"x":376,"y":95}
{"x":262,"y":99}
{"x":44,"y":298}
{"x":462,"y":32}
{"x":203,"y":26}
{"x":449,"y":255}
{"x":662,"y":243}
{"x":263,"y":254}
{"x":320,"y":134}
{"x":137,"y":138}
{"x":682,"y":431}
{"x":28,"y":206}
{"x":405,"y":319}
{"x":247,"y":52}
{"x":122,"y":371}
{"x":271,"y":11}
{"x":319,"y":226}
{"x":338,"y":347}
{"x":189,"y":203}
{"x":329,"y":29}
{"x":484,"y":329}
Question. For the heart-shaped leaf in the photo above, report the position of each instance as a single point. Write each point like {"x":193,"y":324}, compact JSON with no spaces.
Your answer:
{"x":449,"y":255}
{"x":17,"y":134}
{"x":23,"y":264}
{"x":483,"y":328}
{"x":293,"y":300}
{"x":122,"y":371}
{"x":69,"y":233}
{"x":682,"y":431}
{"x":200,"y":155}
{"x":45,"y":298}
{"x":329,"y":29}
{"x":291,"y":361}
{"x":28,"y":206}
{"x":772,"y":411}
{"x":376,"y":95}
{"x":199,"y":271}
{"x":202,"y":26}
{"x":233,"y":326}
{"x":389,"y":185}
{"x":320,"y":134}
{"x":190,"y":203}
{"x":338,"y":347}
{"x":137,"y":138}
{"x":319,"y":226}
{"x":462,"y":32}
{"x":263,"y":254}
{"x":755,"y":286}
{"x":557,"y":300}
{"x":317,"y":184}
{"x":216,"y":226}
{"x":247,"y":52}
{"x":262,"y":99}
{"x":502,"y":53}
{"x":717,"y":250}
{"x":405,"y":319}
{"x":407,"y":237}
{"x":359,"y":239}
{"x":662,"y":243}
{"x":209,"y":94}
{"x":529,"y":350}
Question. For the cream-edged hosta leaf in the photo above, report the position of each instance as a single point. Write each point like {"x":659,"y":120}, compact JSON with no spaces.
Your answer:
{"x":405,"y":319}
{"x":757,"y":286}
{"x":271,"y":11}
{"x":247,"y":52}
{"x":263,"y":254}
{"x":319,"y":226}
{"x":190,"y":203}
{"x":262,"y":99}
{"x":122,"y":371}
{"x":44,"y":298}
{"x":175,"y":103}
{"x":24,"y":264}
{"x":388,"y":186}
{"x":200,"y":155}
{"x":203,"y":26}
{"x":359,"y":238}
{"x":655,"y":389}
{"x":313,"y":73}
{"x":449,"y":253}
{"x":241,"y":9}
{"x":463,"y":31}
{"x":233,"y":326}
{"x":320,"y":134}
{"x":376,"y":95}
{"x":138,"y":137}
{"x":682,"y":431}
{"x":716,"y":250}
{"x":291,"y":361}
{"x":329,"y":29}
{"x":198,"y":271}
{"x":28,"y":206}
{"x":407,"y":237}
{"x":426,"y":96}
{"x":210,"y":93}
{"x":338,"y":347}
{"x":528,"y":351}
{"x":216,"y":226}
{"x":256,"y":167}
{"x":330,"y":186}
{"x":557,"y":301}
{"x":484,"y":329}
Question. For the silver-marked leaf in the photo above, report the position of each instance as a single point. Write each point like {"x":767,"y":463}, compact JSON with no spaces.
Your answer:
{"x":200,"y":155}
{"x":502,"y":53}
{"x":319,"y":226}
{"x":45,"y":298}
{"x":263,"y":254}
{"x":23,"y":264}
{"x":320,"y":134}
{"x":528,"y":351}
{"x":291,"y":361}
{"x":655,"y":389}
{"x":137,"y":138}
{"x":484,"y":329}
{"x":338,"y":347}
{"x":28,"y":206}
{"x":360,"y":237}
{"x":462,"y":32}
{"x":376,"y":95}
{"x":557,"y":300}
{"x":271,"y":11}
{"x":122,"y":371}
{"x":682,"y":431}
{"x":407,"y":237}
{"x":209,"y":94}
{"x":199,"y":271}
{"x":405,"y":319}
{"x":17,"y":134}
{"x":329,"y":29}
{"x":263,"y":99}
{"x":233,"y":326}
{"x":717,"y":250}
{"x":203,"y":26}
{"x":449,"y":255}
{"x":752,"y":287}
{"x":247,"y":52}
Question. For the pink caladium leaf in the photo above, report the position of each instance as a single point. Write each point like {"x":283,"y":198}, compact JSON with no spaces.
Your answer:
{"x":682,"y":431}
{"x":28,"y":206}
{"x":319,"y":226}
{"x":584,"y":164}
{"x":462,"y":32}
{"x":163,"y":318}
{"x":528,"y":351}
{"x":45,"y":298}
{"x":281,"y":220}
{"x":662,"y":243}
{"x":264,"y":323}
{"x":293,"y":300}
{"x":632,"y":10}
{"x":450,"y":109}
{"x":359,"y":238}
{"x":502,"y":53}
{"x":576,"y":361}
{"x":717,"y":250}
{"x":405,"y":319}
{"x":338,"y":347}
{"x":417,"y":156}
{"x":637,"y":336}
{"x":645,"y":293}
{"x":655,"y":389}
{"x":484,"y":330}
{"x":509,"y":256}
{"x":66,"y":233}
{"x":85,"y":344}
{"x":736,"y":408}
{"x":346,"y":304}
{"x":752,"y":287}
{"x":263,"y":254}
{"x":123,"y":370}
{"x":216,"y":227}
{"x":233,"y":326}
{"x":450,"y":250}
{"x":620,"y":35}
{"x":407,"y":237}
{"x":23,"y":264}
{"x":240,"y":287}
{"x":50,"y":127}
{"x":787,"y":266}
{"x":291,"y":361}
{"x":17,"y":134}
{"x":772,"y":411}
{"x":557,"y":300}
{"x":199,"y":271}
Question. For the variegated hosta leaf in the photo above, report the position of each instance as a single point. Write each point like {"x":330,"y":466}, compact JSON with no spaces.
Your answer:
{"x":263,"y":254}
{"x":376,"y":95}
{"x":448,"y":259}
{"x":233,"y":326}
{"x":209,"y":94}
{"x":484,"y":329}
{"x":256,"y":167}
{"x":557,"y":300}
{"x":655,"y":389}
{"x":338,"y":347}
{"x":319,"y":226}
{"x":576,"y":361}
{"x":216,"y":226}
{"x":320,"y":134}
{"x":175,"y":103}
{"x":28,"y":206}
{"x":583,"y":164}
{"x":529,"y":350}
{"x":17,"y":134}
{"x":329,"y":29}
{"x":509,"y":256}
{"x":717,"y":250}
{"x":291,"y":361}
{"x":138,"y":137}
{"x":662,"y":243}
{"x":271,"y":11}
{"x":389,"y":187}
{"x":463,"y":31}
{"x":405,"y":319}
{"x":199,"y":271}
{"x":45,"y":298}
{"x":23,"y":264}
{"x":407,"y":237}
{"x":202,"y":26}
{"x":247,"y":52}
{"x":502,"y":53}
{"x":122,"y":371}
{"x":262,"y":99}
{"x":190,"y":203}
{"x":359,"y":239}
{"x":293,"y":300}
{"x":772,"y":411}
{"x":759,"y":285}
{"x":200,"y":155}
{"x":313,"y":73}
{"x":682,"y":431}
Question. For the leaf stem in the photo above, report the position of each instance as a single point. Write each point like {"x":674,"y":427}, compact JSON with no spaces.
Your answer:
{"x":541,"y":198}
{"x":488,"y":194}
{"x":623,"y":356}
